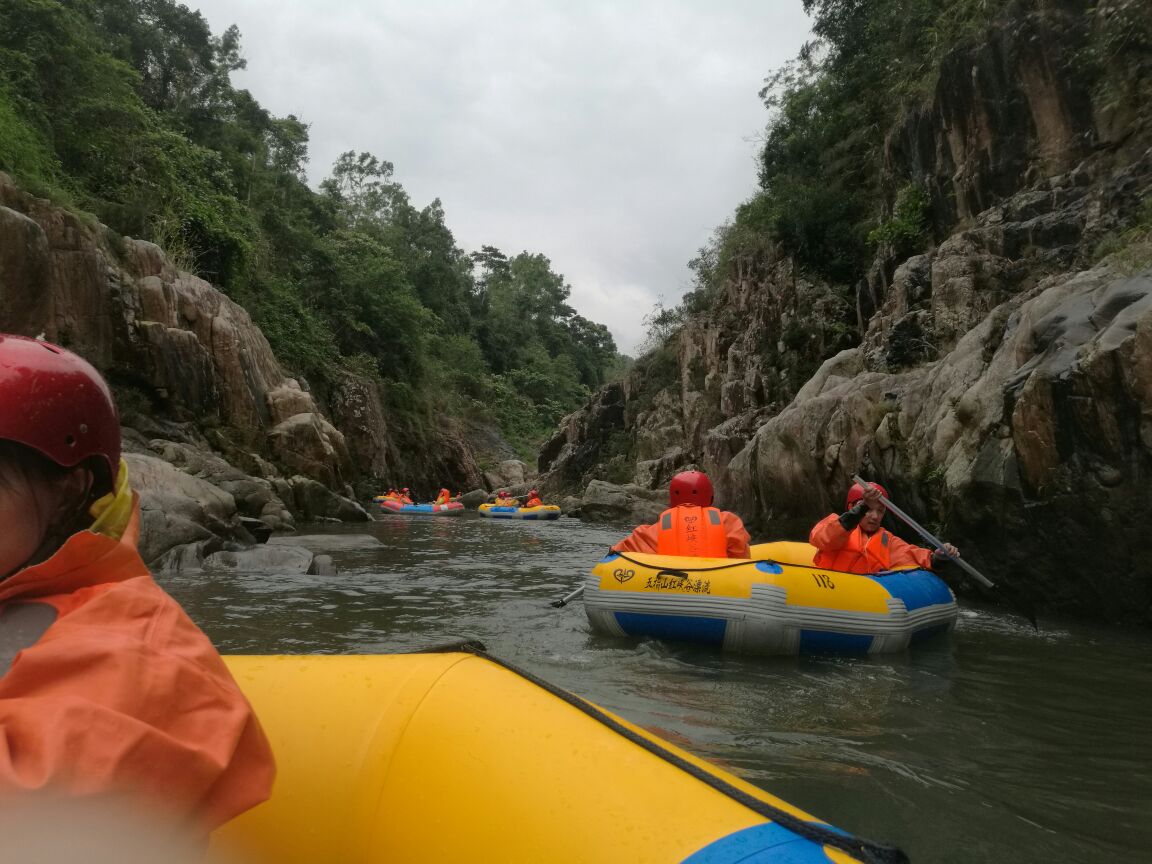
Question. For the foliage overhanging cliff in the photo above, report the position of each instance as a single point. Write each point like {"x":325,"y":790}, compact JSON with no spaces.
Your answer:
{"x":943,"y":280}
{"x":125,"y":109}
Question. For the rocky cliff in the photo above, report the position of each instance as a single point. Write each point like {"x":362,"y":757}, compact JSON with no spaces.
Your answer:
{"x":198,"y":386}
{"x":998,"y":383}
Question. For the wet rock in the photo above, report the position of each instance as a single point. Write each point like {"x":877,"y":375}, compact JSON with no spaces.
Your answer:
{"x":474,"y":499}
{"x":310,"y":445}
{"x":514,"y":472}
{"x":330,"y":542}
{"x":176,"y":508}
{"x":606,"y":502}
{"x":260,"y":531}
{"x":317,"y":502}
{"x":322,"y":566}
{"x":261,"y":559}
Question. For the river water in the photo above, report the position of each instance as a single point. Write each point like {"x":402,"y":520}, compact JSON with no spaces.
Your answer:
{"x":997,"y":744}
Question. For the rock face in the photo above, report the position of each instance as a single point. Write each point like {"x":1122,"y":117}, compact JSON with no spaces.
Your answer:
{"x":1030,"y":439}
{"x":999,"y":383}
{"x":166,"y":339}
{"x":199,"y":387}
{"x":604,"y":502}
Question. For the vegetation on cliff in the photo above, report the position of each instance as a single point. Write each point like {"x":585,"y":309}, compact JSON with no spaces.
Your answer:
{"x":125,"y":108}
{"x":826,"y":198}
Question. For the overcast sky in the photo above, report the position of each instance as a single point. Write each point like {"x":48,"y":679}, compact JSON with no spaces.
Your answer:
{"x":613,"y":137}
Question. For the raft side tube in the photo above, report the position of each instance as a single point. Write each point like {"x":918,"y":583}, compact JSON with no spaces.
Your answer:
{"x":426,"y":758}
{"x":765,"y":606}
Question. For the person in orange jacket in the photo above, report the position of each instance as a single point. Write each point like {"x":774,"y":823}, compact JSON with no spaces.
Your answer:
{"x":443,"y":497}
{"x":107,"y":688}
{"x":503,"y":499}
{"x":691,"y":525}
{"x":855,"y":542}
{"x":405,"y":498}
{"x":533,"y":499}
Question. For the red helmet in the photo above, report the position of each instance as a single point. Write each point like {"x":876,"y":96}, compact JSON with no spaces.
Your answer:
{"x":54,"y":402}
{"x":690,"y":487}
{"x":856,"y":493}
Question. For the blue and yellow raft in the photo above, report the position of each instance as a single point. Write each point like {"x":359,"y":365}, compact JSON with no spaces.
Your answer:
{"x":430,"y":758}
{"x":452,"y":508}
{"x":776,"y":603}
{"x":544,"y":511}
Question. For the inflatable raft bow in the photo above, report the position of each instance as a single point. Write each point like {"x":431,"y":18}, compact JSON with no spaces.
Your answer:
{"x":430,"y":758}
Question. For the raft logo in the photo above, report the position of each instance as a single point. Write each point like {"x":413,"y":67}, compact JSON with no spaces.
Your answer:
{"x":623,"y":575}
{"x":664,"y":581}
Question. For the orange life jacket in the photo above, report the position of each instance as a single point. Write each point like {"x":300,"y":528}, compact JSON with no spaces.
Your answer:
{"x":108,"y":688}
{"x":534,"y":501}
{"x":693,"y":531}
{"x":443,"y":497}
{"x":861,"y":554}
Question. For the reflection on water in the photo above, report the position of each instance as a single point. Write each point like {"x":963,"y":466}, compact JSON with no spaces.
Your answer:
{"x":1001,"y":744}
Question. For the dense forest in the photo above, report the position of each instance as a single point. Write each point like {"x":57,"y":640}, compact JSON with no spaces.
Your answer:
{"x":825,"y":198}
{"x":125,"y":109}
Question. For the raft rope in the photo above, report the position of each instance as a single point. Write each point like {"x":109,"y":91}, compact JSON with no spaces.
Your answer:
{"x":866,"y":850}
{"x":743,"y":562}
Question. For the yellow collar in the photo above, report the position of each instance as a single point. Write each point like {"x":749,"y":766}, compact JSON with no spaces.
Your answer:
{"x":113,"y":512}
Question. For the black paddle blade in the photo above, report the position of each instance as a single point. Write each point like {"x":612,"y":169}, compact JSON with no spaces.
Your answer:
{"x":1018,"y":602}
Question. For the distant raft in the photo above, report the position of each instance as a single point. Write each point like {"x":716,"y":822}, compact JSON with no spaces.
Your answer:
{"x":776,"y":603}
{"x":544,"y":511}
{"x":428,"y":758}
{"x":452,"y":508}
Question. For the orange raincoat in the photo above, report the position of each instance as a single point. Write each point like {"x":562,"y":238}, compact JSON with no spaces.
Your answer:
{"x":856,"y":552}
{"x":108,"y":687}
{"x":646,"y":538}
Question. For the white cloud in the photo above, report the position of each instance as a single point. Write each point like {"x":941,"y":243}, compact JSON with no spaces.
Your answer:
{"x":610,"y":136}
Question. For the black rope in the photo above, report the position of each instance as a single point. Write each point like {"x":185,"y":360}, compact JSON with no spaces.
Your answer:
{"x":866,"y":850}
{"x":743,"y":562}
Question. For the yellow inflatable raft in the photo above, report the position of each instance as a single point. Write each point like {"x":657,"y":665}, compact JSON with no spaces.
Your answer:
{"x":776,"y":603}
{"x":543,"y":511}
{"x":434,"y":758}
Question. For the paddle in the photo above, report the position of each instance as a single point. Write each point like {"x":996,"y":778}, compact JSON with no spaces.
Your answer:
{"x":563,"y":601}
{"x":1021,"y":605}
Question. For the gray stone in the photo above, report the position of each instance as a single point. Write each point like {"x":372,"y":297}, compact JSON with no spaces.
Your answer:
{"x":316,"y":502}
{"x":474,"y":499}
{"x":322,"y":566}
{"x":261,"y":559}
{"x":329,"y":542}
{"x":607,"y":502}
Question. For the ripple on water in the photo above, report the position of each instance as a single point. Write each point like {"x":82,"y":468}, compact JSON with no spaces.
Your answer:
{"x":1003,"y":743}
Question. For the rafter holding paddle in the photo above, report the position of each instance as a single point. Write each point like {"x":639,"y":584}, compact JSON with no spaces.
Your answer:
{"x":942,"y":550}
